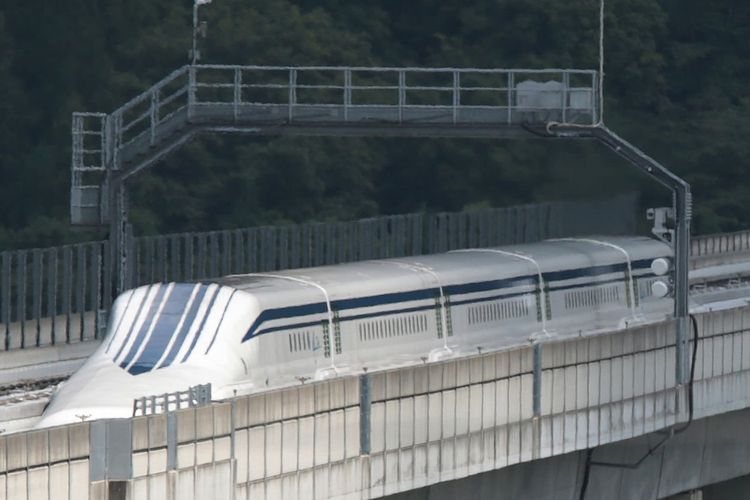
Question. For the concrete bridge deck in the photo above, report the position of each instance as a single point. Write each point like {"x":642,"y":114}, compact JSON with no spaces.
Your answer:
{"x":419,"y":426}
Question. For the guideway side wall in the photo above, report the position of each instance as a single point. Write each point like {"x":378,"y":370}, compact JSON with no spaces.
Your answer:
{"x":426,"y":424}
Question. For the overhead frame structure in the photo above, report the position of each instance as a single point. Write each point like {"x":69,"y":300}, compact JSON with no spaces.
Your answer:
{"x":108,"y":149}
{"x":682,"y":206}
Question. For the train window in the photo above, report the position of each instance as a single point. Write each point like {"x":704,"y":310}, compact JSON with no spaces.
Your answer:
{"x":392,"y":327}
{"x":592,"y":297}
{"x":644,"y":288}
{"x":301,"y":341}
{"x":498,"y":311}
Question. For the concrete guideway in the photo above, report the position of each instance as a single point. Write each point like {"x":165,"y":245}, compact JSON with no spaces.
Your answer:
{"x":717,"y":287}
{"x":711,"y":450}
{"x":419,"y":425}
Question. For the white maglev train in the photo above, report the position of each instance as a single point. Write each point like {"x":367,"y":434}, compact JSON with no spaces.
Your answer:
{"x":245,"y":333}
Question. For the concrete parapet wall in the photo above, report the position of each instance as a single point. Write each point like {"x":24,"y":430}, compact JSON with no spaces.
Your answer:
{"x":388,"y":432}
{"x":710,"y":450}
{"x":46,"y":464}
{"x":50,"y":330}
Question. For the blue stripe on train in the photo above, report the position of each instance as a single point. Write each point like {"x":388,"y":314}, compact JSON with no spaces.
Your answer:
{"x":452,"y":290}
{"x":135,"y":320}
{"x":164,"y":329}
{"x":218,"y":325}
{"x":150,"y":318}
{"x":199,"y":331}
{"x":182,"y":334}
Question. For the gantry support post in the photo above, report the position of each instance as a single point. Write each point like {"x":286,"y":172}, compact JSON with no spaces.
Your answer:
{"x":119,"y":232}
{"x":682,"y":200}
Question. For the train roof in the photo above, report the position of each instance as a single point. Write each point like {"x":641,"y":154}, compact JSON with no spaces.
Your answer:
{"x":409,"y":273}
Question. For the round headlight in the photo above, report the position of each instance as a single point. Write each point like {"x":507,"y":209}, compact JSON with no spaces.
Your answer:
{"x":659,"y":289}
{"x":660,"y":266}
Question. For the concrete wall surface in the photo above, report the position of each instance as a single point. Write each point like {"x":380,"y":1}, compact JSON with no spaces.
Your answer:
{"x":388,"y":432}
{"x":710,"y":450}
{"x":46,"y":464}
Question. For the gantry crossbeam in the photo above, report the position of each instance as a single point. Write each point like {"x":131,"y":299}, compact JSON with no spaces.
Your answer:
{"x":315,"y":100}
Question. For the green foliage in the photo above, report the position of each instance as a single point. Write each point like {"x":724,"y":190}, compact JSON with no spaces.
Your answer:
{"x":676,"y":84}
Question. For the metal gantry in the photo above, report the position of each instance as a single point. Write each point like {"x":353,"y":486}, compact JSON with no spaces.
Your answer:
{"x":682,"y":215}
{"x":345,"y":101}
{"x":312,"y":100}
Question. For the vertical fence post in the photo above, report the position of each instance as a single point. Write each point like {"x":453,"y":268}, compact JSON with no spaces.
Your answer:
{"x":80,"y":288}
{"x":214,"y":256}
{"x":456,"y":95}
{"x":237,"y":93}
{"x":172,"y":438}
{"x":67,"y":290}
{"x":595,"y":98}
{"x":292,"y":92}
{"x":347,"y":92}
{"x":226,"y":253}
{"x":188,"y":246}
{"x":5,"y":293}
{"x":117,"y":140}
{"x":365,"y":411}
{"x":21,"y":295}
{"x":36,"y":300}
{"x":174,"y":271}
{"x":510,"y":96}
{"x":401,"y":94}
{"x":537,"y":401}
{"x":565,"y":95}
{"x":191,"y":91}
{"x":161,"y":259}
{"x":52,"y":286}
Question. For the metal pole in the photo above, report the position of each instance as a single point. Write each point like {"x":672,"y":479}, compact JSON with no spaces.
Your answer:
{"x":365,"y":408}
{"x":118,"y":234}
{"x":536,"y":435}
{"x":683,"y":215}
{"x":195,"y":33}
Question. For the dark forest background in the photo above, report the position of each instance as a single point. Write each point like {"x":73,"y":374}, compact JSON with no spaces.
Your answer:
{"x":678,"y":85}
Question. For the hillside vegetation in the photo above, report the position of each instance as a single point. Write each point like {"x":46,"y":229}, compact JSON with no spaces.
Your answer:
{"x":678,"y":74}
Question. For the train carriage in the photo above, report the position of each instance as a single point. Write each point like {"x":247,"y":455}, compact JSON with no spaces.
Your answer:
{"x":245,"y":333}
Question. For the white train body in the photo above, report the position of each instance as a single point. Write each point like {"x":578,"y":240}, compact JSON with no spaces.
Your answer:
{"x":245,"y":333}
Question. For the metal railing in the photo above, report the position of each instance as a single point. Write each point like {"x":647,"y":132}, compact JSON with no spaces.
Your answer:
{"x":713,"y":244}
{"x":62,"y":294}
{"x":195,"y":256}
{"x":347,"y":99}
{"x":199,"y":395}
{"x":356,"y":94}
{"x":88,"y":165}
{"x":53,"y":295}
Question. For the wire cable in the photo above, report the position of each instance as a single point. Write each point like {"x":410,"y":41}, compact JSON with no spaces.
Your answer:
{"x":600,"y":94}
{"x":667,"y":435}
